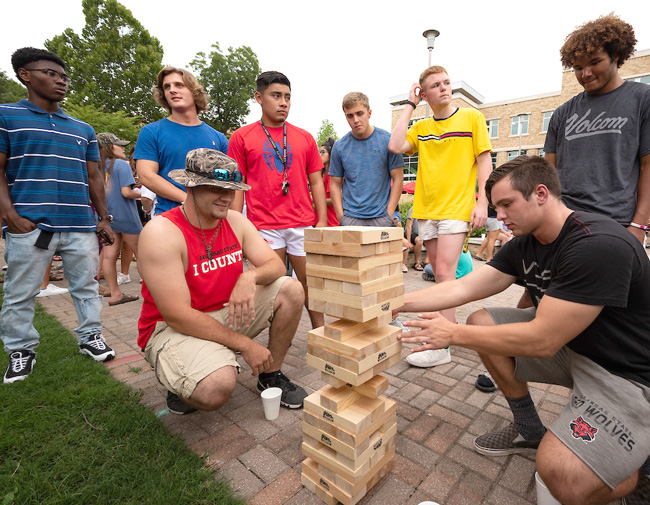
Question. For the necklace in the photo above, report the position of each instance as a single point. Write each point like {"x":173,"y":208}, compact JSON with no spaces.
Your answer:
{"x":208,"y":247}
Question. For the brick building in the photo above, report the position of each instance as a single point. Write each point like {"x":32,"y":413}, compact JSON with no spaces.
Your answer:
{"x":519,"y":123}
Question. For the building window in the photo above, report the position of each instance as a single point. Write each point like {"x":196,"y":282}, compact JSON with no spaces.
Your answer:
{"x":493,"y":128}
{"x":519,"y":123}
{"x":494,"y":160}
{"x":410,"y":167}
{"x":645,"y":79}
{"x":546,"y":121}
{"x":513,"y":154}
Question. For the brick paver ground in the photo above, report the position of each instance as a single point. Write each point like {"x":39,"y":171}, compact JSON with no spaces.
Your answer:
{"x":439,"y":414}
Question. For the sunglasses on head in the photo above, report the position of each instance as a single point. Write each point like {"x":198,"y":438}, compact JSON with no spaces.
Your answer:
{"x":221,"y":174}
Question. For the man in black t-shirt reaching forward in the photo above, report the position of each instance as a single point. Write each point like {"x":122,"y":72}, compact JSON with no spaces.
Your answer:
{"x":589,"y":280}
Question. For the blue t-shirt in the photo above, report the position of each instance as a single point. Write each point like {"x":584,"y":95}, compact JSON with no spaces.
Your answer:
{"x":365,"y":167}
{"x":123,"y":210}
{"x":46,"y":166}
{"x":167,"y":143}
{"x":464,"y":267}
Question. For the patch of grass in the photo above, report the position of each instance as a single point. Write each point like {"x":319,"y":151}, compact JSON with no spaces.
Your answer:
{"x":72,"y":434}
{"x":135,"y":369}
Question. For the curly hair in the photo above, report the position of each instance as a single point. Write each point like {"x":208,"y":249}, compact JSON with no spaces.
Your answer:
{"x":26,"y":55}
{"x":609,"y":33}
{"x":201,"y":98}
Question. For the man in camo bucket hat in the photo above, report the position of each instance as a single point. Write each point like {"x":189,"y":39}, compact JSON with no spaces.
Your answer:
{"x":207,"y":167}
{"x":191,"y":262}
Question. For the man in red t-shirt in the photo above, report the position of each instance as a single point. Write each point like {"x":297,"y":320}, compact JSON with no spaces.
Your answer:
{"x":200,"y":306}
{"x":281,"y":162}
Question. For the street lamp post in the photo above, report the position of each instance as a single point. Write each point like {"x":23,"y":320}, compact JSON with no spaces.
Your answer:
{"x":430,"y":35}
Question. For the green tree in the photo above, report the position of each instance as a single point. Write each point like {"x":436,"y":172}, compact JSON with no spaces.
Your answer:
{"x":124,"y":126}
{"x":229,"y":79}
{"x":113,"y":63}
{"x":10,"y":90}
{"x":326,"y":131}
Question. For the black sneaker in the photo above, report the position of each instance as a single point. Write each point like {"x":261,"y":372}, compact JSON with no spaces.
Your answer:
{"x":176,"y":405}
{"x":97,"y":348}
{"x":641,"y":493}
{"x":21,"y":363}
{"x":504,"y":442}
{"x":292,"y":395}
{"x":428,"y":277}
{"x":485,"y":383}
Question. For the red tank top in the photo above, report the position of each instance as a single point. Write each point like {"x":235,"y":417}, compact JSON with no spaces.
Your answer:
{"x":210,"y":281}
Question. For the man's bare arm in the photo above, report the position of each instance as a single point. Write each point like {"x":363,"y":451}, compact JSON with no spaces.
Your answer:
{"x":398,"y":143}
{"x":318,"y":195}
{"x":642,"y":212}
{"x":15,"y":223}
{"x":98,"y":198}
{"x":483,"y":170}
{"x":397,"y":175}
{"x":148,"y":175}
{"x":337,"y":195}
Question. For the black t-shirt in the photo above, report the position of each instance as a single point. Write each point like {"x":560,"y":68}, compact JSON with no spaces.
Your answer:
{"x":593,"y":261}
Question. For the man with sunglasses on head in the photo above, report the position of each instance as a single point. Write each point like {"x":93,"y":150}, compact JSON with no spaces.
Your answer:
{"x":48,"y":177}
{"x":200,"y":306}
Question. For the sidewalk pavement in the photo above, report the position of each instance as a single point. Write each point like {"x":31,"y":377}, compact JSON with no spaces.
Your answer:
{"x":439,"y":414}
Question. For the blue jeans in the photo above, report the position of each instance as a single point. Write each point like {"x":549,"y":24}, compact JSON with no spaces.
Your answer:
{"x":26,"y":266}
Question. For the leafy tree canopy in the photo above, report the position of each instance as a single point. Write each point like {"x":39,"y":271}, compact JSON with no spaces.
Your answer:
{"x":229,"y":79}
{"x":113,"y":63}
{"x":326,"y":131}
{"x":10,"y":90}
{"x":124,"y":126}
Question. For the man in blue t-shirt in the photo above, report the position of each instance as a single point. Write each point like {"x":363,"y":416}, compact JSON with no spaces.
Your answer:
{"x":48,"y":177}
{"x":362,"y":170}
{"x":163,"y":145}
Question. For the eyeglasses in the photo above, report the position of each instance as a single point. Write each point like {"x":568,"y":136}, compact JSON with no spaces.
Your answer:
{"x":322,"y":151}
{"x":221,"y":174}
{"x":52,"y":74}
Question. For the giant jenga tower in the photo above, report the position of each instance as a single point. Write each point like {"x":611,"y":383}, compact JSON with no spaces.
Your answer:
{"x":353,"y":273}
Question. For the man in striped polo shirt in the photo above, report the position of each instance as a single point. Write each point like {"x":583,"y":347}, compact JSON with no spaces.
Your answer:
{"x":48,"y":178}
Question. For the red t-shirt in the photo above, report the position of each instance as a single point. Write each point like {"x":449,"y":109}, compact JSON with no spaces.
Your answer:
{"x":331,"y":213}
{"x":266,"y":205}
{"x":210,"y":281}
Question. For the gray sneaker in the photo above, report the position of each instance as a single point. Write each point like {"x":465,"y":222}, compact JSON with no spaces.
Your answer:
{"x":504,"y":442}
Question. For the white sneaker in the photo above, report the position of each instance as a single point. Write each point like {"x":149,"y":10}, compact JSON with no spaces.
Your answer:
{"x":123,"y":279}
{"x":50,"y":290}
{"x":426,"y":359}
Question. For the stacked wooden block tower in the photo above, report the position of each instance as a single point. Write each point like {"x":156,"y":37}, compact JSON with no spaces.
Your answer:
{"x":353,"y":273}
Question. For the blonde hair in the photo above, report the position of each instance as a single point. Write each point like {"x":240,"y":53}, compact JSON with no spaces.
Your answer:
{"x":436,"y":69}
{"x":354,"y":98}
{"x":201,"y":98}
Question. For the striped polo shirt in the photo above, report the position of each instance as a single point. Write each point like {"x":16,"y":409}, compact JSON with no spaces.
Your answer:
{"x":46,"y":166}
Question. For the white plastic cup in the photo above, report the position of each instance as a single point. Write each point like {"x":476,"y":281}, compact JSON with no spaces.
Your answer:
{"x":544,"y":496}
{"x":428,"y":503}
{"x":271,"y":402}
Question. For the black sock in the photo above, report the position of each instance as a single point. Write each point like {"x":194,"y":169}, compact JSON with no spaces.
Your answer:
{"x":526,"y":419}
{"x":267,"y":375}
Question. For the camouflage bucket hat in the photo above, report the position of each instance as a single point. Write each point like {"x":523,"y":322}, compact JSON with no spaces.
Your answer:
{"x":207,"y":167}
{"x":107,"y":139}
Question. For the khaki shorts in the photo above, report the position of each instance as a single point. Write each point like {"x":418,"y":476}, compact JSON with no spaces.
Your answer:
{"x":181,"y":361}
{"x":431,"y":228}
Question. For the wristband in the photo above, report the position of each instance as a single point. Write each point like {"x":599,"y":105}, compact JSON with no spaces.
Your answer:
{"x":640,"y":226}
{"x":408,"y":102}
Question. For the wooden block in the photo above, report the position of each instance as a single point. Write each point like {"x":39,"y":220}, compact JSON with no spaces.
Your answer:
{"x":372,"y":388}
{"x":355,"y":418}
{"x":344,"y":329}
{"x":332,"y":285}
{"x":318,"y":489}
{"x":314,"y":259}
{"x":332,"y":235}
{"x":313,"y":234}
{"x":371,"y":234}
{"x":395,"y":246}
{"x":315,"y":282}
{"x":340,"y":249}
{"x":374,"y":286}
{"x":390,"y":293}
{"x":358,"y":347}
{"x":338,"y":298}
{"x":355,"y":269}
{"x":330,"y":261}
{"x":382,"y":248}
{"x":338,"y":399}
{"x":394,"y":269}
{"x":372,"y":261}
{"x":354,"y":365}
{"x":347,"y":376}
{"x":310,"y":470}
{"x":365,"y":313}
{"x":317,"y":305}
{"x":384,"y":437}
{"x":346,"y":437}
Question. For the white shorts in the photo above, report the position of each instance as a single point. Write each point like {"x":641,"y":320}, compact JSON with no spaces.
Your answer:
{"x":493,"y":224}
{"x":431,"y":228}
{"x":291,"y":239}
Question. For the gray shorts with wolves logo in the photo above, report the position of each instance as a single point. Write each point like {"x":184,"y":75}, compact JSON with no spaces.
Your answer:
{"x":607,"y":420}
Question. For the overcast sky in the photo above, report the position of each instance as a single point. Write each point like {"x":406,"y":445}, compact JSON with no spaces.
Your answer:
{"x":503,"y":49}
